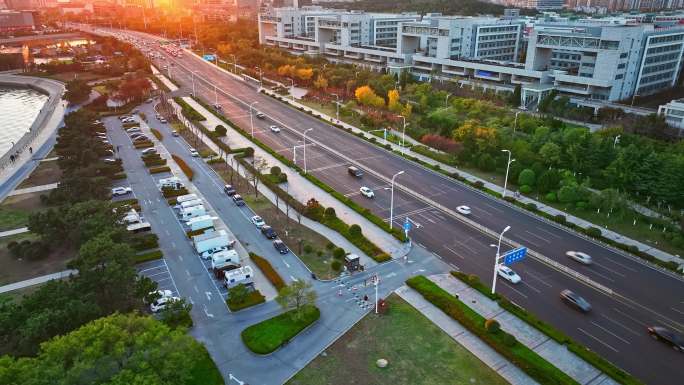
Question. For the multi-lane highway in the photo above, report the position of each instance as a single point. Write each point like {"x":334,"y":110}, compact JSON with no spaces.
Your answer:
{"x":615,"y":328}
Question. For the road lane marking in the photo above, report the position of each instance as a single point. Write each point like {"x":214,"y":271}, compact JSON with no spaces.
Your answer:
{"x":453,"y":251}
{"x":294,"y":279}
{"x":533,"y":276}
{"x":611,"y":333}
{"x":599,"y":341}
{"x":206,"y":311}
{"x":631,"y":318}
{"x":187,"y":272}
{"x":510,"y":286}
{"x":621,"y":325}
{"x":180,"y":257}
{"x":528,"y":241}
{"x":549,"y":233}
{"x":531,"y":287}
{"x":208,"y":294}
{"x":609,"y":269}
{"x":620,"y":264}
{"x":538,"y":237}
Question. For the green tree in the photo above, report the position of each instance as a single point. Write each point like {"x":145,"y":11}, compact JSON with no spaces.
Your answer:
{"x":77,"y":91}
{"x":550,"y":153}
{"x":177,"y":314}
{"x":119,"y":349}
{"x":526,"y":177}
{"x":238,"y":293}
{"x":548,"y":181}
{"x":220,"y":130}
{"x":296,"y":296}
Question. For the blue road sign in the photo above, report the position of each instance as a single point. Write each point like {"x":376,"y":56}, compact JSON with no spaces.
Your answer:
{"x":407,"y":225}
{"x":209,"y":57}
{"x":515,"y":255}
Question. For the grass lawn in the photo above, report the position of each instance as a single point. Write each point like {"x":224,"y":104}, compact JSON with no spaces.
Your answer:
{"x":268,"y":335}
{"x":318,"y":260}
{"x":253,"y":298}
{"x":418,"y":353}
{"x":15,"y":210}
{"x":46,"y":173}
{"x":206,"y":372}
{"x":14,"y":270}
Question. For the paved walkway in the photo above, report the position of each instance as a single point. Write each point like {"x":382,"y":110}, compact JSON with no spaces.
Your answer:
{"x":301,"y":188}
{"x":36,"y":280}
{"x":9,"y":233}
{"x":541,"y":206}
{"x":44,"y":187}
{"x":557,"y":354}
{"x":169,"y":84}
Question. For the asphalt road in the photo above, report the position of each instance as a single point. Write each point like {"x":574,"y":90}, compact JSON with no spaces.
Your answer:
{"x":183,"y":272}
{"x":616,"y":326}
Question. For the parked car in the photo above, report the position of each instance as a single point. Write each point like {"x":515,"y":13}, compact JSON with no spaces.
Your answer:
{"x":161,"y":303}
{"x":122,"y":117}
{"x":149,"y":151}
{"x":229,"y":190}
{"x":367,"y":192}
{"x":238,"y":200}
{"x":268,"y":232}
{"x":672,"y":338}
{"x":574,"y":300}
{"x":217,"y":106}
{"x":207,"y":254}
{"x":580,"y":257}
{"x":194,"y":153}
{"x":464,"y":210}
{"x":118,"y":191}
{"x":161,"y":293}
{"x":162,"y":120}
{"x":111,"y":160}
{"x":136,"y":135}
{"x":142,"y":138}
{"x":280,"y":246}
{"x":258,"y":222}
{"x":508,"y":274}
{"x":275,"y":129}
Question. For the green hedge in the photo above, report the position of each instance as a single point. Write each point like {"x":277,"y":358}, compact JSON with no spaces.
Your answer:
{"x":188,"y":111}
{"x":267,"y":336}
{"x":187,"y":170}
{"x":125,"y":202}
{"x":157,"y":170}
{"x":168,"y":193}
{"x":145,"y":144}
{"x":520,"y":355}
{"x":268,"y":270}
{"x":144,"y":242}
{"x":193,"y":233}
{"x":119,"y":175}
{"x":149,"y":256}
{"x":253,"y":298}
{"x":154,"y":162}
{"x":589,"y":356}
{"x":157,"y":134}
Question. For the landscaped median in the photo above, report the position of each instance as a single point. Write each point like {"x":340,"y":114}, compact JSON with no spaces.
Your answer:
{"x":187,"y":170}
{"x":505,"y":344}
{"x":580,"y":350}
{"x":267,"y":336}
{"x":268,"y":270}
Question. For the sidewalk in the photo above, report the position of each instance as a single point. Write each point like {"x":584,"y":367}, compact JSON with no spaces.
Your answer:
{"x":169,"y":84}
{"x":557,"y":354}
{"x":9,"y":233}
{"x":36,"y":280}
{"x":301,"y":188}
{"x":27,"y":190}
{"x":659,"y":254}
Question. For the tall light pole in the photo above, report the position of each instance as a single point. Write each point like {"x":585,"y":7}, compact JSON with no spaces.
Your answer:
{"x":261,"y":74}
{"x":251,"y":116}
{"x":304,"y":137}
{"x":496,"y":260}
{"x":446,"y":101}
{"x":515,"y":121}
{"x":508,"y":166}
{"x":391,"y":218}
{"x":234,"y":63}
{"x":215,"y":97}
{"x":403,"y":133}
{"x":193,"y":82}
{"x":615,"y":142}
{"x":291,"y":87}
{"x":338,"y":105}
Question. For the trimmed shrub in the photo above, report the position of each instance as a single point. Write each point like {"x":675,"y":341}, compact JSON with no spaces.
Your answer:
{"x":157,"y":170}
{"x":355,"y":230}
{"x":525,"y":189}
{"x":144,"y":242}
{"x":157,"y":134}
{"x":268,"y":270}
{"x":593,"y":232}
{"x":220,"y":130}
{"x":338,"y":253}
{"x":308,"y":248}
{"x":276,"y":171}
{"x":336,"y":265}
{"x":531,"y":206}
{"x":149,"y":256}
{"x":560,"y":218}
{"x":187,"y":170}
{"x":330,"y":213}
{"x":492,"y":325}
{"x":119,"y":175}
{"x":527,"y":177}
{"x":551,"y":197}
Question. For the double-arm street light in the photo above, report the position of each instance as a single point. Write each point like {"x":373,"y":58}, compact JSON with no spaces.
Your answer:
{"x":251,"y":116}
{"x":261,"y":75}
{"x":498,"y":256}
{"x":391,"y":218}
{"x":403,"y":133}
{"x":192,"y":76}
{"x":304,"y":140}
{"x":508,"y":166}
{"x":337,"y":103}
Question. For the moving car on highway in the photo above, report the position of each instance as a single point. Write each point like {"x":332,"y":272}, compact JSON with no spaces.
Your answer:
{"x":574,"y":300}
{"x":275,"y":129}
{"x":464,"y":210}
{"x":672,"y":338}
{"x":508,"y":274}
{"x":367,"y":192}
{"x":580,"y":257}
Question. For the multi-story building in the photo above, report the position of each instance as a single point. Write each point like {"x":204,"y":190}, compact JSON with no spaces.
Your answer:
{"x":673,"y":112}
{"x":601,"y":59}
{"x":11,"y":21}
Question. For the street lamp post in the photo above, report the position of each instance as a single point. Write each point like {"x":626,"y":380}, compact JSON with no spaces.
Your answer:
{"x":338,"y":106}
{"x":251,"y":116}
{"x":234,"y":63}
{"x":391,"y":218}
{"x":216,"y":105}
{"x":261,"y":74}
{"x":192,"y":73}
{"x":515,"y":121}
{"x":403,"y":134}
{"x":508,"y":166}
{"x":446,"y":101}
{"x":615,"y":142}
{"x":496,"y":260}
{"x":291,"y":87}
{"x":304,"y":137}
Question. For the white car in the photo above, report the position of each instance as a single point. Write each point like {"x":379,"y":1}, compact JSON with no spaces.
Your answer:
{"x":162,"y":120}
{"x":258,"y":222}
{"x":207,"y":254}
{"x":162,"y":293}
{"x":367,"y":192}
{"x":160,"y":304}
{"x":117,"y":191}
{"x":194,"y":153}
{"x":579,"y":256}
{"x":508,"y":274}
{"x":465,"y":210}
{"x":275,"y":129}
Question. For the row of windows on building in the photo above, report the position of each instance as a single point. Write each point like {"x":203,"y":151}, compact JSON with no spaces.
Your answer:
{"x":499,"y":28}
{"x":667,"y":48}
{"x":507,"y":36}
{"x":659,"y":67}
{"x":507,"y":43}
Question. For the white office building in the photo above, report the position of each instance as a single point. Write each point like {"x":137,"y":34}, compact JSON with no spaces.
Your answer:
{"x":673,"y":112}
{"x":596,"y":59}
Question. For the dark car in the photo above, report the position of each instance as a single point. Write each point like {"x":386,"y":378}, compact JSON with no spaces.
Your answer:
{"x":668,"y":336}
{"x":268,"y":232}
{"x":238,"y":200}
{"x":229,"y":190}
{"x":355,"y":172}
{"x":280,"y":246}
{"x":575,"y":300}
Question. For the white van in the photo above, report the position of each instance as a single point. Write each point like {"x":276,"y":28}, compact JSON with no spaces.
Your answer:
{"x":187,"y":204}
{"x":185,"y":198}
{"x":192,"y":212}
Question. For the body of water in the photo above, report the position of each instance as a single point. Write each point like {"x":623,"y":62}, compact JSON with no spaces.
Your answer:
{"x":19,"y":107}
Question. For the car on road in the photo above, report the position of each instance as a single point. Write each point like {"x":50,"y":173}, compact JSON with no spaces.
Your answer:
{"x":260,"y":115}
{"x":161,"y":303}
{"x":162,"y":120}
{"x":217,"y":106}
{"x":194,"y":153}
{"x":174,"y":133}
{"x":508,"y":274}
{"x":575,"y":300}
{"x":118,"y":191}
{"x":280,"y":246}
{"x":275,"y":129}
{"x":207,"y":254}
{"x":237,"y":198}
{"x":464,"y":210}
{"x":268,"y":232}
{"x":580,"y":257}
{"x":257,"y":221}
{"x":229,"y":190}
{"x":355,"y":171}
{"x":672,"y":338}
{"x":367,"y":192}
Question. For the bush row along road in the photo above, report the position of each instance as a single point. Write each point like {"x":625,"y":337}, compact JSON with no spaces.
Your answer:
{"x":616,"y":327}
{"x":215,"y":326}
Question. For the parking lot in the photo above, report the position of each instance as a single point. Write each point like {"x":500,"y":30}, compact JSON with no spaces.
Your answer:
{"x":158,"y":271}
